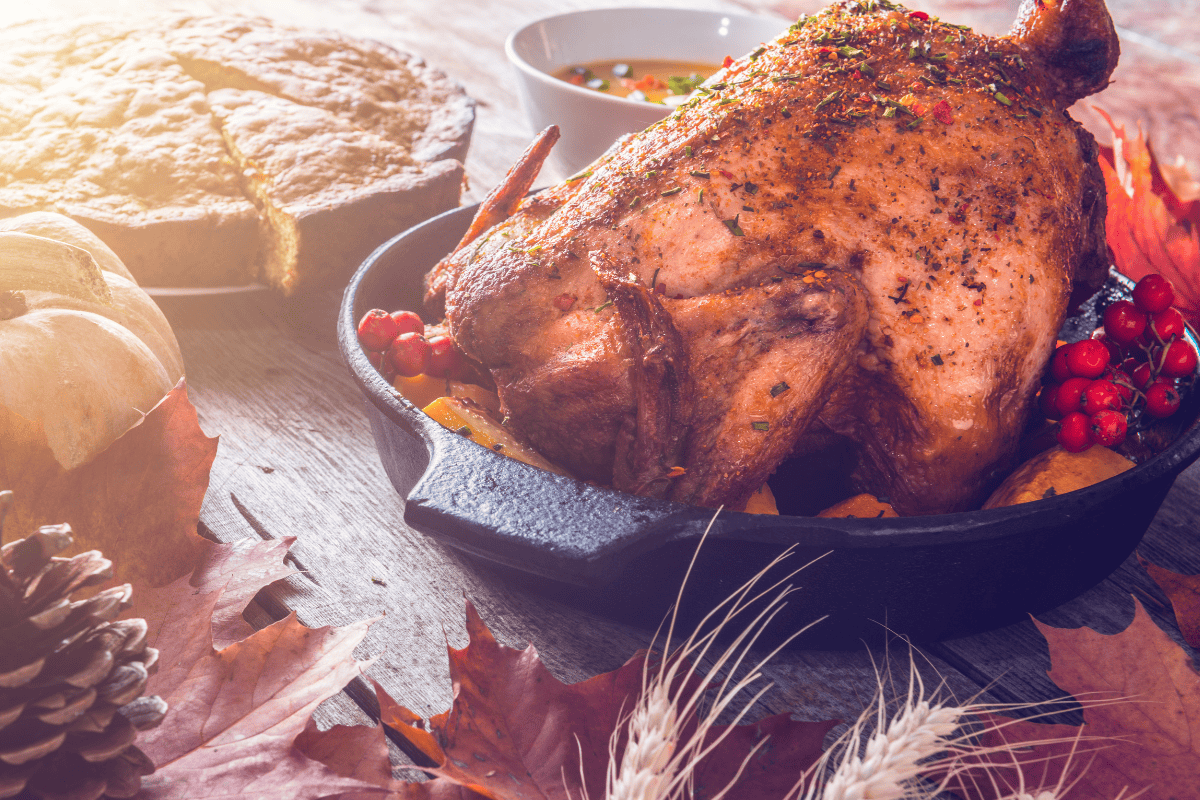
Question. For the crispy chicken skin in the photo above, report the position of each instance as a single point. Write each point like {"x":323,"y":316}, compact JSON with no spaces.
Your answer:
{"x":871,"y":227}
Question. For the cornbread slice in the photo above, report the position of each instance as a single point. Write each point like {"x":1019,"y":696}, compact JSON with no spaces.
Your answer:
{"x":224,"y":150}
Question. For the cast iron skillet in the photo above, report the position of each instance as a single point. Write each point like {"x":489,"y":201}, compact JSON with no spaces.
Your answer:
{"x":929,"y":577}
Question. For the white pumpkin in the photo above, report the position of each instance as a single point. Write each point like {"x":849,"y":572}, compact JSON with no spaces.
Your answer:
{"x":83,"y":350}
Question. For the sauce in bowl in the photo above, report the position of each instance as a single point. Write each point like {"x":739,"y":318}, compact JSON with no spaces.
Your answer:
{"x":648,"y":80}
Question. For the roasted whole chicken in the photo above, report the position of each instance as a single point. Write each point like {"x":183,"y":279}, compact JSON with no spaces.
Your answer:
{"x":868,"y":230}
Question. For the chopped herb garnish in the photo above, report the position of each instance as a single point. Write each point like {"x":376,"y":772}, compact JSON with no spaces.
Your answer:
{"x":580,"y":176}
{"x":750,"y":188}
{"x":761,"y":426}
{"x":683,"y":84}
{"x":603,"y":306}
{"x":687,"y":150}
{"x":669,"y":192}
{"x":828,"y":99}
{"x":937,"y":360}
{"x":779,"y":388}
{"x":699,"y":174}
{"x":757,"y":53}
{"x":463,"y":431}
{"x":1004,"y":100}
{"x":732,"y":224}
{"x":633,"y":203}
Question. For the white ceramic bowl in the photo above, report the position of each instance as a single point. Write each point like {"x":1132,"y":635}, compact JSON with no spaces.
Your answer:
{"x":590,"y":121}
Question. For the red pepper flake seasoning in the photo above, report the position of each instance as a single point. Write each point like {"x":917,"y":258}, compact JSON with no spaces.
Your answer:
{"x":918,"y":109}
{"x":725,"y":174}
{"x":979,"y":302}
{"x":943,"y":113}
{"x":728,"y":60}
{"x":564,"y":302}
{"x":918,"y":15}
{"x":675,"y":472}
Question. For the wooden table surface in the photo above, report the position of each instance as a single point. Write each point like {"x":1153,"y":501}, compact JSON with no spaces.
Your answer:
{"x":296,"y":456}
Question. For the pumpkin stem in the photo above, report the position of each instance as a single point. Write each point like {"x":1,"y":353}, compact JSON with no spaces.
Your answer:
{"x":35,"y":263}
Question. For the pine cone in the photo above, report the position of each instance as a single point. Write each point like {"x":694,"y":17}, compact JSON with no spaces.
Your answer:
{"x":70,"y":676}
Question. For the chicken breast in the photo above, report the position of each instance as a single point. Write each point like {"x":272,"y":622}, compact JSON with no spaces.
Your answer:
{"x":869,"y":228}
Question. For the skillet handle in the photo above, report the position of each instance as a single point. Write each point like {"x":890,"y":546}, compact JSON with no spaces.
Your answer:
{"x":509,"y":512}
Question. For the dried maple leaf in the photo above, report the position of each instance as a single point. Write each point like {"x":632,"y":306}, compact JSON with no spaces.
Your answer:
{"x":1184,"y":593}
{"x":1141,"y":731}
{"x":516,"y":731}
{"x":235,"y":713}
{"x":138,"y":502}
{"x":1148,"y":227}
{"x":223,"y":582}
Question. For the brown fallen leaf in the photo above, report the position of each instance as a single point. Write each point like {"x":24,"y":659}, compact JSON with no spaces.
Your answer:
{"x":235,"y":713}
{"x":1141,"y":733}
{"x":773,"y":770}
{"x":224,"y":581}
{"x":138,"y":502}
{"x":516,"y":731}
{"x":352,"y":751}
{"x":1184,"y":593}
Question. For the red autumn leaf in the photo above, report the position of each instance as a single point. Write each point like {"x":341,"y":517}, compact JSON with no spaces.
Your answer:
{"x":223,"y":582}
{"x":773,"y":770}
{"x":1148,"y":228}
{"x":1184,"y":593}
{"x":234,"y":714}
{"x":515,"y":728}
{"x":516,"y":731}
{"x":138,"y":502}
{"x":352,"y":751}
{"x":1141,"y":731}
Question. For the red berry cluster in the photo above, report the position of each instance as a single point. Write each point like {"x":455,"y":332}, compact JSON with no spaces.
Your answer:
{"x":1134,"y":367}
{"x":395,"y":343}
